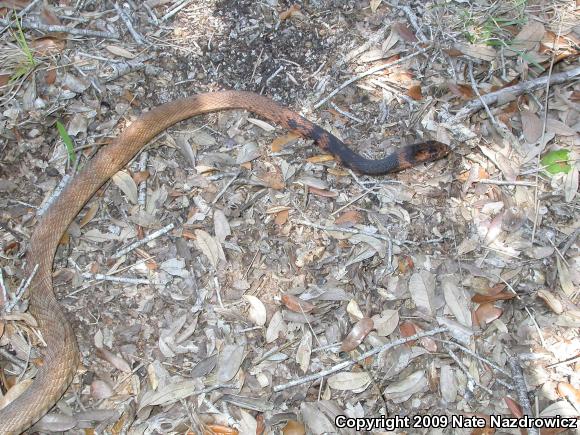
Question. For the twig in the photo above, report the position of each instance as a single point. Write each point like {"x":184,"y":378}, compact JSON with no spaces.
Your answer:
{"x":151,"y":14}
{"x":368,"y":73}
{"x":144,"y":240}
{"x":142,"y":197}
{"x":176,"y":9}
{"x":475,"y":355}
{"x":343,"y":230}
{"x":21,"y":14}
{"x":127,"y":21}
{"x":412,"y":19}
{"x":465,"y":370}
{"x":3,"y":289}
{"x":20,"y":291}
{"x":507,"y":183}
{"x":543,"y":138}
{"x":510,"y":93}
{"x":226,"y":187}
{"x":346,"y":364}
{"x":522,"y":390}
{"x":62,"y":29}
{"x":345,"y":113}
{"x":474,"y":87}
{"x":9,"y":357}
{"x":61,"y":185}
{"x":269,"y":79}
{"x":125,"y":67}
{"x":124,"y":280}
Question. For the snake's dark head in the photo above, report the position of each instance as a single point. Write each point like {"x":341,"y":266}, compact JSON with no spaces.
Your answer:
{"x":423,"y":152}
{"x":430,"y":151}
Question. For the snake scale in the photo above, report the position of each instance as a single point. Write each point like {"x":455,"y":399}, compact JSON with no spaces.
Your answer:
{"x":60,"y":357}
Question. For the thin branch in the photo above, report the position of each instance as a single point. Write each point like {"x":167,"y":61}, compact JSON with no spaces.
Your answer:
{"x":61,"y":29}
{"x":508,"y":94}
{"x":144,"y":240}
{"x":346,"y":364}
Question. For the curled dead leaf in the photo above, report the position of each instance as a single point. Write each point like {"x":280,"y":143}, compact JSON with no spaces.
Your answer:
{"x":551,"y":301}
{"x":571,"y":393}
{"x":294,"y":303}
{"x":487,"y":313}
{"x":293,"y":427}
{"x":514,"y":407}
{"x":357,"y":334}
{"x":257,"y":313}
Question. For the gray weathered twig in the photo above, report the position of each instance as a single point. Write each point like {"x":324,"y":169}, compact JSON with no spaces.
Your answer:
{"x":27,"y":24}
{"x":506,"y":95}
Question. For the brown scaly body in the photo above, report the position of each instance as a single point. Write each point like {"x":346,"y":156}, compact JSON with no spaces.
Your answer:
{"x":61,"y":354}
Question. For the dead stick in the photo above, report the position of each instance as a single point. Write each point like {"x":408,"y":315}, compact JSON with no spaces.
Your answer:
{"x":27,"y":24}
{"x":522,"y":390}
{"x":506,"y":95}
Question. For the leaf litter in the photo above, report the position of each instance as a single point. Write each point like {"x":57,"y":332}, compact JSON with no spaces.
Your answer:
{"x":279,"y":263}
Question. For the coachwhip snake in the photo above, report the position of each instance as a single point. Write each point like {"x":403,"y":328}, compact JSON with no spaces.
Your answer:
{"x":60,"y":357}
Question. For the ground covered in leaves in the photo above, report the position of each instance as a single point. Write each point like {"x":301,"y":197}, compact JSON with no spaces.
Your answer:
{"x":272,"y":290}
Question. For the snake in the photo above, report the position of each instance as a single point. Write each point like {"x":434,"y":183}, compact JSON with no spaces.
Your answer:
{"x":60,"y":356}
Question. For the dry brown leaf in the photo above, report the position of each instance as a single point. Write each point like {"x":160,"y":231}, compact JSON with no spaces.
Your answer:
{"x":293,"y":427}
{"x":405,"y":264}
{"x":348,"y":218}
{"x":408,"y":329}
{"x":229,"y":362}
{"x":292,"y":12}
{"x":218,"y":429}
{"x":274,"y":180}
{"x":279,"y":143}
{"x":210,"y":247}
{"x":386,"y":322}
{"x":101,"y":389}
{"x":119,"y":51}
{"x":257,"y":313}
{"x":349,"y":381}
{"x":294,"y":303}
{"x":322,"y":192}
{"x":357,"y":334}
{"x":558,"y":127}
{"x":168,"y":394}
{"x":529,"y":38}
{"x":551,"y":301}
{"x":478,"y":51}
{"x":13,"y":393}
{"x":487,"y":313}
{"x":532,"y":126}
{"x":564,"y":278}
{"x":374,"y":4}
{"x":571,"y":393}
{"x":320,"y":158}
{"x":415,"y":92}
{"x":48,"y":45}
{"x":276,"y":327}
{"x":502,"y":296}
{"x":304,"y":351}
{"x":514,"y":407}
{"x":281,"y":217}
{"x":125,"y":182}
{"x":465,"y":92}
{"x":89,"y":215}
{"x":402,"y":390}
{"x":404,"y":32}
{"x":115,"y":360}
{"x":422,"y":289}
{"x":140,"y":176}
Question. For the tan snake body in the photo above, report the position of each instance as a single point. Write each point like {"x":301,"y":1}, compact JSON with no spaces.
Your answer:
{"x":60,"y":357}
